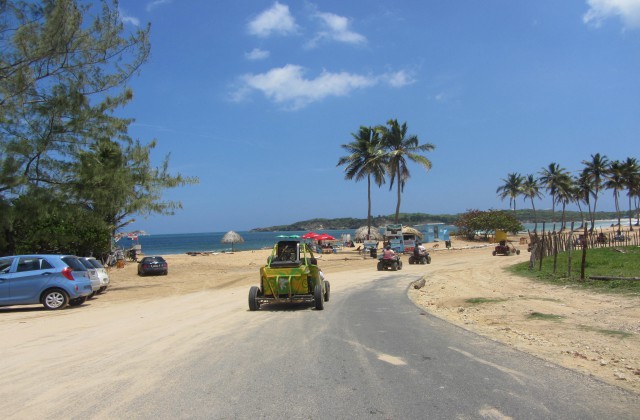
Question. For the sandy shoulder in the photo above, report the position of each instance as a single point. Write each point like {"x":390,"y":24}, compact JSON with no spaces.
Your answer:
{"x":595,"y":334}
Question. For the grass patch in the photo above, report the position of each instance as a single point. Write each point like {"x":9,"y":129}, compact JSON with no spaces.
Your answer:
{"x":599,"y":262}
{"x":611,"y":333}
{"x":540,"y":315}
{"x":476,"y":301}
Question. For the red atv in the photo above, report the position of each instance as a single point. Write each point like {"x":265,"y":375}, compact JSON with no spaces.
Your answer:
{"x":505,"y":249}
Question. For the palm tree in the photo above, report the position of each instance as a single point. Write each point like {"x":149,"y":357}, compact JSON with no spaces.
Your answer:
{"x":595,"y":169}
{"x":531,"y":189}
{"x":400,"y":147}
{"x":552,"y":178}
{"x":583,"y":192}
{"x":631,"y":177}
{"x":565,"y":195}
{"x":366,"y":159}
{"x":614,"y":180}
{"x":512,"y":188}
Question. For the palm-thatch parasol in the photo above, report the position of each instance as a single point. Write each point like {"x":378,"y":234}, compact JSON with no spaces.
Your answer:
{"x":412,"y":231}
{"x":232,"y":237}
{"x":361,"y":234}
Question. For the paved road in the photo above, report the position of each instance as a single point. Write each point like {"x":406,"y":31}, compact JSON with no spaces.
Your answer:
{"x":370,"y":354}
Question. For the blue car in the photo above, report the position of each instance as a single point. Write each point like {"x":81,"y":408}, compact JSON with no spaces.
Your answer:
{"x":55,"y":281}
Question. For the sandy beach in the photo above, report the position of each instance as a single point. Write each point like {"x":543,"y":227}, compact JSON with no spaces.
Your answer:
{"x":595,"y":334}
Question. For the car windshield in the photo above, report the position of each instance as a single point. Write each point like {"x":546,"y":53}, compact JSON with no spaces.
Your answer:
{"x":152,"y":260}
{"x":96,"y":263}
{"x":87,"y":264}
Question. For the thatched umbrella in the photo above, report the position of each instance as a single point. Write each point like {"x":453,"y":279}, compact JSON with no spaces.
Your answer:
{"x":361,"y":234}
{"x":412,"y":231}
{"x":232,"y":237}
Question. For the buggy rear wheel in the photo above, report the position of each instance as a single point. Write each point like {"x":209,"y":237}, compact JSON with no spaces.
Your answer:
{"x":327,"y":289}
{"x":380,"y":266}
{"x":394,"y":266}
{"x":412,"y":260}
{"x":429,"y":259}
{"x":318,"y":297}
{"x":254,"y":305}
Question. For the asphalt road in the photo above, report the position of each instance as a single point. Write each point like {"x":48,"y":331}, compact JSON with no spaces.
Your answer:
{"x":369,"y":354}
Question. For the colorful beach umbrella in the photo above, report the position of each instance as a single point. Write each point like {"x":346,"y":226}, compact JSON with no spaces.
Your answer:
{"x":325,"y":237}
{"x":310,"y":235}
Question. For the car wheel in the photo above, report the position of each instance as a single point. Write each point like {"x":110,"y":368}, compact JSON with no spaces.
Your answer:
{"x":380,"y":266}
{"x":55,"y":299}
{"x":90,"y":296}
{"x":318,"y":297}
{"x":327,"y":289}
{"x":101,"y":290}
{"x":254,"y":305}
{"x":77,"y":301}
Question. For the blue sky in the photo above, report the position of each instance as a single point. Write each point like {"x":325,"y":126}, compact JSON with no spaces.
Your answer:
{"x":255,"y":98}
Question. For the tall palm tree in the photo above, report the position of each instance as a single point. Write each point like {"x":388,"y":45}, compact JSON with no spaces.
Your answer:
{"x":401,"y":147}
{"x":631,"y":176}
{"x":511,"y":188}
{"x":551,"y":179}
{"x":595,"y":169}
{"x":565,"y":195}
{"x":531,"y":189}
{"x":366,"y":159}
{"x":614,"y":180}
{"x":584,"y":191}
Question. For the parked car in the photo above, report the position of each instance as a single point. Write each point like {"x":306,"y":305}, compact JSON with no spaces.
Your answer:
{"x":93,"y":275}
{"x":102,"y":274}
{"x":55,"y":281}
{"x":153,"y":265}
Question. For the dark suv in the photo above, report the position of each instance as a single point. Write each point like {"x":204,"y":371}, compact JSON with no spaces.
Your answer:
{"x":152,"y":265}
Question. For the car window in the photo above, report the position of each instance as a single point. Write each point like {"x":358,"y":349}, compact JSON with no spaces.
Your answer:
{"x":5,"y":265}
{"x":28,"y":264}
{"x":74,"y":263}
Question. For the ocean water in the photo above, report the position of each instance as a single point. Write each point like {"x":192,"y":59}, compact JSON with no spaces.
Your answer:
{"x":181,"y":243}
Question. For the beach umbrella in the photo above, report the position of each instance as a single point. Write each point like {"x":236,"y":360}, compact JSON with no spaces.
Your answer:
{"x":361,"y":234}
{"x":310,"y":235}
{"x":324,"y":237}
{"x":232,"y":237}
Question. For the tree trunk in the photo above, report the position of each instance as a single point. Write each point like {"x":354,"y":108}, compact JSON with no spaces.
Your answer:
{"x":399,"y":193}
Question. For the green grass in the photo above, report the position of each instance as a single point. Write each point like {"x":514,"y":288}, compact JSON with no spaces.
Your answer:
{"x":612,"y":333}
{"x":475,"y":301}
{"x":599,"y":262}
{"x":540,"y":315}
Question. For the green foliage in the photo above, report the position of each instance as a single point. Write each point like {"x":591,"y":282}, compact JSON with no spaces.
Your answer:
{"x":600,"y":262}
{"x":486,"y":222}
{"x":540,"y":315}
{"x":476,"y":301}
{"x":63,"y":71}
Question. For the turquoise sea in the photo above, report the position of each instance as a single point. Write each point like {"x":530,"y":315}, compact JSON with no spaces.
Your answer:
{"x":180,"y":243}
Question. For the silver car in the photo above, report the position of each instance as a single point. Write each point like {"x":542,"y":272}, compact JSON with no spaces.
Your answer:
{"x":102,"y":274}
{"x":93,"y":275}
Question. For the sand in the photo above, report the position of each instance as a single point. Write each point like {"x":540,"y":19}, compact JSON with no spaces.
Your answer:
{"x":595,"y":334}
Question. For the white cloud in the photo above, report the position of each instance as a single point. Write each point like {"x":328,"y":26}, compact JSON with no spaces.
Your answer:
{"x":399,"y":79}
{"x":128,"y":19}
{"x":337,"y":30}
{"x":599,"y":10}
{"x":277,"y":19}
{"x":155,"y":3}
{"x":287,"y":85}
{"x":256,"y":54}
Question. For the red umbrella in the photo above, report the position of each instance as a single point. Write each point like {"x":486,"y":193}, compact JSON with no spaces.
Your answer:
{"x":310,"y":235}
{"x":325,"y":237}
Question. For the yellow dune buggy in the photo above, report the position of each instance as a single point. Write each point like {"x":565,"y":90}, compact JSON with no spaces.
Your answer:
{"x":290,"y":275}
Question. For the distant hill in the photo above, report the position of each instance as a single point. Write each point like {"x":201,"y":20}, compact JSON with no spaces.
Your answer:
{"x":412,"y":219}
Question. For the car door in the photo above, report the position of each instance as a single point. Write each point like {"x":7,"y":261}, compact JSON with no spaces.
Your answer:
{"x":28,"y":278}
{"x":5,"y":269}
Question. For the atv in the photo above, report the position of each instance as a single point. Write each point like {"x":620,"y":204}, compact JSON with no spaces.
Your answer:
{"x":290,"y":275}
{"x":420,"y":259}
{"x":503,"y":248}
{"x":392,"y":264}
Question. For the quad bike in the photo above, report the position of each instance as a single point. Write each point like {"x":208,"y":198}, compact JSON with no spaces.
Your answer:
{"x":392,"y":264}
{"x":290,"y":275}
{"x":420,"y":259}
{"x":503,"y":248}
